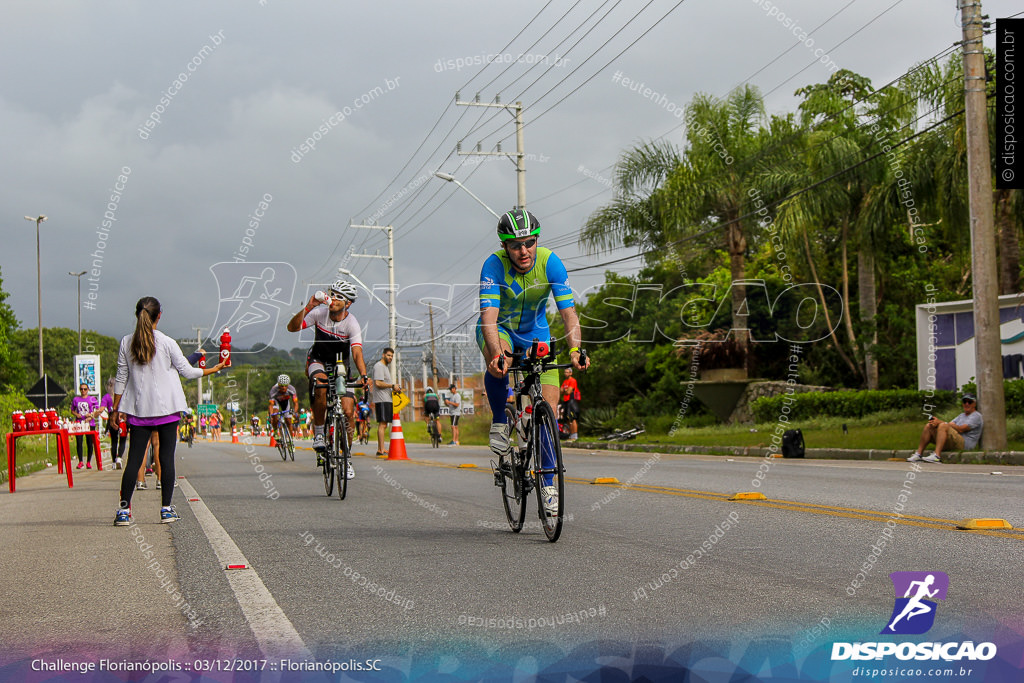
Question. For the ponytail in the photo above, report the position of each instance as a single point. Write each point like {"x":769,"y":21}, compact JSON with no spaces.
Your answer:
{"x":143,"y":344}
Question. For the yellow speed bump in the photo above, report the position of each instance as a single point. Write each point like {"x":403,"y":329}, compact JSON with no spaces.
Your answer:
{"x":467,"y":465}
{"x":748,"y":495}
{"x":979,"y":524}
{"x":605,"y":480}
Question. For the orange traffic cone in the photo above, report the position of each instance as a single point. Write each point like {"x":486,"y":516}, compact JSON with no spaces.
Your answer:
{"x":396,"y":448}
{"x":234,"y":436}
{"x":273,"y":441}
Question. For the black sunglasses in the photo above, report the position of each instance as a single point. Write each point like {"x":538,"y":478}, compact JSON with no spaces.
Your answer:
{"x":516,"y":246}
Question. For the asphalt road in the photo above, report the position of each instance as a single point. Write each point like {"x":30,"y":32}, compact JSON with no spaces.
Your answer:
{"x":418,"y":569}
{"x":433,"y":538}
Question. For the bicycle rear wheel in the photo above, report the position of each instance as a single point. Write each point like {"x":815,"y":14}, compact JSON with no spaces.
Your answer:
{"x":513,"y":496}
{"x":328,"y":456}
{"x":344,"y":454}
{"x":548,"y":471}
{"x":435,"y":434}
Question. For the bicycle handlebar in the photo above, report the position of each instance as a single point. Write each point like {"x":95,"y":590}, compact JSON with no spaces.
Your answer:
{"x":525,"y":360}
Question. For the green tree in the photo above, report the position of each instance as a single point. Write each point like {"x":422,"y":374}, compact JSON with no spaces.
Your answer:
{"x":13,"y":373}
{"x":664,"y":196}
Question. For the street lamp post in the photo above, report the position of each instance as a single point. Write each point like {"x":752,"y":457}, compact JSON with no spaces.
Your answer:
{"x":39,"y":288}
{"x":451,"y":179}
{"x":79,"y":276}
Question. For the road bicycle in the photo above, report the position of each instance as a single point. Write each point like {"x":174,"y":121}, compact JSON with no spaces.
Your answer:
{"x":535,"y":460}
{"x":339,"y":452}
{"x":433,"y":432}
{"x":624,"y":434}
{"x":283,"y":436}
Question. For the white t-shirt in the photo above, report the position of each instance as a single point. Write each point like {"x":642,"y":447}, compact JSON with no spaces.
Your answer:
{"x":383,"y":373}
{"x":456,"y":399}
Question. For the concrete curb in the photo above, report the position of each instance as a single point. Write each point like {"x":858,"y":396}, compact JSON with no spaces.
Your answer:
{"x":961,"y":458}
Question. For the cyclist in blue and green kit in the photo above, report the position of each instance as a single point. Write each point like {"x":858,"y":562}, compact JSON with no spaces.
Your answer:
{"x":515,"y":284}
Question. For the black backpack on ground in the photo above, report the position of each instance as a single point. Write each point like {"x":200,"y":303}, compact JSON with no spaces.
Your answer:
{"x":793,"y":444}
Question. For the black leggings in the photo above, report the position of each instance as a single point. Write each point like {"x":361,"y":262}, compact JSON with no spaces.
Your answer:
{"x":117,"y":443}
{"x":88,"y":443}
{"x":139,"y":441}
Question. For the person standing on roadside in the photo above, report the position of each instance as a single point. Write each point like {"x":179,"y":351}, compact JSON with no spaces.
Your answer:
{"x":383,"y":386}
{"x":118,"y":441}
{"x":454,"y":403}
{"x":148,"y":392}
{"x":85,"y":408}
{"x":570,"y":403}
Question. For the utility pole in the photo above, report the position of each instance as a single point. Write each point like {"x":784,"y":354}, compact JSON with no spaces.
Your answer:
{"x":984,"y":269}
{"x":520,"y":159}
{"x":199,"y":382}
{"x":392,"y":312}
{"x":433,"y":352}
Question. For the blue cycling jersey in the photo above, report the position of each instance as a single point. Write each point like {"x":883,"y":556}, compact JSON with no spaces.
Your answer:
{"x":522,"y":298}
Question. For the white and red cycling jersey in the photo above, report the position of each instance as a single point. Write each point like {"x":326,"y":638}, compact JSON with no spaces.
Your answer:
{"x":331,"y":337}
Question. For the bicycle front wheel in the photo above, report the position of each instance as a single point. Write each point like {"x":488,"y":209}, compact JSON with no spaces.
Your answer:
{"x":282,"y":445}
{"x":291,"y":443}
{"x":513,"y":497}
{"x":548,"y":470}
{"x":344,"y":454}
{"x":328,"y":457}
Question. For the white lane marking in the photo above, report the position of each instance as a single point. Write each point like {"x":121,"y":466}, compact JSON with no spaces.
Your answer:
{"x":274,"y":632}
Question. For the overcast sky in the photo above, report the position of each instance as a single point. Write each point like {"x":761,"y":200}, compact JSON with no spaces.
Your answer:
{"x":373,"y":86}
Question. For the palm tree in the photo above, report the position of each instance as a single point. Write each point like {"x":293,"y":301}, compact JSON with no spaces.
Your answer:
{"x":939,"y":167}
{"x":668,"y":197}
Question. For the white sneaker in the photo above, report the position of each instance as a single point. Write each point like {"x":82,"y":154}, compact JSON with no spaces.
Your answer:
{"x":914,"y":458}
{"x":550,"y":496}
{"x":931,"y":457}
{"x":318,"y":443}
{"x":351,"y":474}
{"x":118,"y":464}
{"x":498,"y":440}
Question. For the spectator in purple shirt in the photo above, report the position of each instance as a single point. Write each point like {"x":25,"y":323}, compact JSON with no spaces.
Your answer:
{"x":85,"y":408}
{"x":117,"y":440}
{"x":148,"y":391}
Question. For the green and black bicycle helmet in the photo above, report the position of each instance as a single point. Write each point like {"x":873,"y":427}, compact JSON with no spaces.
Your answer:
{"x":517,"y":223}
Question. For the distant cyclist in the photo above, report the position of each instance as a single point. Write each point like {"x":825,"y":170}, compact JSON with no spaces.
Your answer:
{"x":363,"y":411}
{"x":515,"y":284}
{"x":336,"y":332}
{"x":432,"y":409}
{"x":282,"y":395}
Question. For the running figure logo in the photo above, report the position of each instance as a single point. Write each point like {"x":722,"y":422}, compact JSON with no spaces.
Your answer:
{"x":250,"y":298}
{"x":914,"y":612}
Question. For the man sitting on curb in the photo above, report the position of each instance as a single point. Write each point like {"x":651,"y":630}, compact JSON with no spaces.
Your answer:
{"x":962,"y":434}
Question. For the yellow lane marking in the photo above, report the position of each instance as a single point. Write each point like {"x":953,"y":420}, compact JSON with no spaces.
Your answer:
{"x":791,"y":506}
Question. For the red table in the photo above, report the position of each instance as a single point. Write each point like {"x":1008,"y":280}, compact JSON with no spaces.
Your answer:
{"x":63,"y":452}
{"x":89,"y":434}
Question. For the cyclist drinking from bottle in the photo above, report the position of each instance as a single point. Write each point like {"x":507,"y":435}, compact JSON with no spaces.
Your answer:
{"x":336,"y":332}
{"x":515,"y":284}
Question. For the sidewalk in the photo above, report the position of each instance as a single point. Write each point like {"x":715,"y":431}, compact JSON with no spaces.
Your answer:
{"x":75,"y":585}
{"x":960,"y":458}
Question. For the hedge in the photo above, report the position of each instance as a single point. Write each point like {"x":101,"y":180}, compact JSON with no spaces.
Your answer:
{"x":853,"y":404}
{"x":849,"y":404}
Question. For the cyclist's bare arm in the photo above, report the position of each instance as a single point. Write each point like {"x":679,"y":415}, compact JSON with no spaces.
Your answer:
{"x":295,"y":324}
{"x":574,"y":336}
{"x":492,"y":342}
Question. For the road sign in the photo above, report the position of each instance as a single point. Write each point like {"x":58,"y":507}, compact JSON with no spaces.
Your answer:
{"x":206,"y":408}
{"x":45,"y":393}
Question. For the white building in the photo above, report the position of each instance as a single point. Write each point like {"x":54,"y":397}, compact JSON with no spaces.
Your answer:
{"x":945,"y":341}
